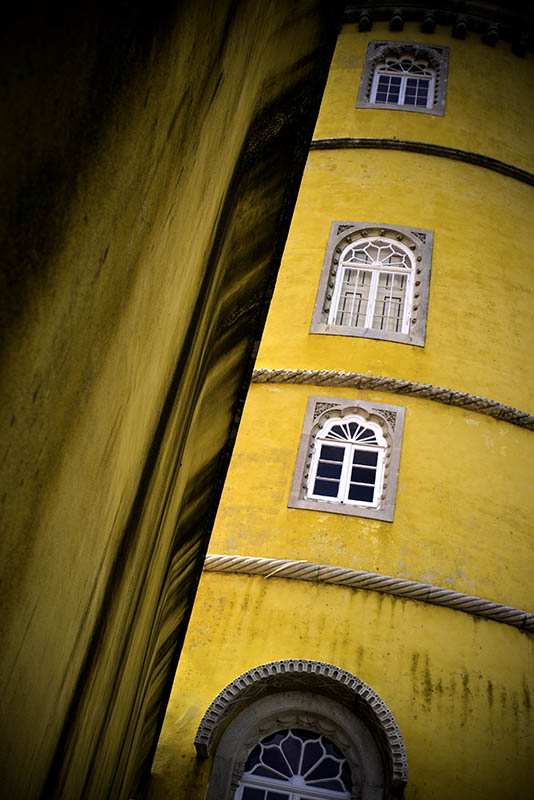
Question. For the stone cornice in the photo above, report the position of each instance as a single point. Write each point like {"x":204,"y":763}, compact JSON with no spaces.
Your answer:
{"x":357,"y":380}
{"x":426,"y":148}
{"x":373,"y":582}
{"x":510,"y":21}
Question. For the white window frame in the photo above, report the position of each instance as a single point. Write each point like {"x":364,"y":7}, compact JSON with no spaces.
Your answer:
{"x":387,"y":419}
{"x":417,"y":242}
{"x":349,"y":447}
{"x":382,"y":69}
{"x":436,"y":57}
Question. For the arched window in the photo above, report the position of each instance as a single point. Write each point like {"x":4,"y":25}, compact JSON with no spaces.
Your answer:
{"x":403,"y":81}
{"x":295,"y":764}
{"x":301,"y":730}
{"x":406,"y":76}
{"x":348,"y":463}
{"x":374,"y":286}
{"x":375,"y":282}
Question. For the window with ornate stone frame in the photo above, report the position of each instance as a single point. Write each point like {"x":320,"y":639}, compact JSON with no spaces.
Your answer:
{"x":375,"y":282}
{"x":348,"y":458}
{"x":320,"y":703}
{"x":405,"y":76}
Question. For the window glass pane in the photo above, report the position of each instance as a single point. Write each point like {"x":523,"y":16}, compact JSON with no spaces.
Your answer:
{"x":312,"y":753}
{"x":353,"y":297}
{"x":276,"y":796}
{"x":325,"y":469}
{"x":360,"y":475}
{"x":266,"y":772}
{"x":390,"y":299}
{"x":291,"y":746}
{"x":369,"y":458}
{"x":330,"y":452}
{"x":361,"y":493}
{"x":326,"y":488}
{"x":253,"y":794}
{"x":272,"y":757}
{"x":327,"y":768}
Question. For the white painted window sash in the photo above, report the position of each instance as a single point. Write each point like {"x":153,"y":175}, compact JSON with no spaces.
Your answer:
{"x":346,"y":471}
{"x":402,"y":90}
{"x":375,"y":271}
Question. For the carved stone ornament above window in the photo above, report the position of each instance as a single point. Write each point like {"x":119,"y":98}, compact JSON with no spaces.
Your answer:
{"x":375,"y":282}
{"x":404,"y":76}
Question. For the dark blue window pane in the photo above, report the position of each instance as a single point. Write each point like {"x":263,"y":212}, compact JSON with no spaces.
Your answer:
{"x":331,"y":453}
{"x":338,"y":430}
{"x":327,"y":768}
{"x":367,"y":458}
{"x":254,"y":758}
{"x":360,"y":475}
{"x":265,"y":772}
{"x":312,"y":753}
{"x":253,"y":794}
{"x":292,"y":748}
{"x":277,"y":796}
{"x":272,"y":757}
{"x":327,"y":470}
{"x":361,"y":493}
{"x":326,"y":488}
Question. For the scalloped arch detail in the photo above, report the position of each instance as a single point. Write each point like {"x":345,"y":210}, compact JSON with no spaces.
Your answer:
{"x":316,"y":677}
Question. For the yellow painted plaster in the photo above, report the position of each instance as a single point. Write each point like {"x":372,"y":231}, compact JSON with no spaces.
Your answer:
{"x":457,"y":686}
{"x":464,"y":507}
{"x":480,"y":314}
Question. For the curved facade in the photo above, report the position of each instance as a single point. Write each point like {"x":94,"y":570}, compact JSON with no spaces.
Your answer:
{"x":459,"y":686}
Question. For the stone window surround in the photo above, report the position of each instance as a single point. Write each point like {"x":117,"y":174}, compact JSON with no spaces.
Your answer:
{"x":436,"y":56}
{"x":320,"y":410}
{"x":419,"y":240}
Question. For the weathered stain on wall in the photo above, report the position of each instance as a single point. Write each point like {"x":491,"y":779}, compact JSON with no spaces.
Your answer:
{"x":152,"y":159}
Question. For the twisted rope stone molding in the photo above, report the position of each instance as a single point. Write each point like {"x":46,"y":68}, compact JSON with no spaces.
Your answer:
{"x":468,"y":157}
{"x":356,"y":380}
{"x":371,"y":581}
{"x":308,"y":676}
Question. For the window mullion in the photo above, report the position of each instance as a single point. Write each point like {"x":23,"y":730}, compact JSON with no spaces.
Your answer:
{"x":345,"y":474}
{"x":402,"y":95}
{"x":372,"y":298}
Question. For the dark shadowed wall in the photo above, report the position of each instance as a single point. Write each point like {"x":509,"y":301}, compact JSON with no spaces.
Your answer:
{"x":152,"y":154}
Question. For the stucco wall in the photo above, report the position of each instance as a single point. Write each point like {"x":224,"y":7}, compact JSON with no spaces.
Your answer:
{"x":152,"y":157}
{"x":460,"y":688}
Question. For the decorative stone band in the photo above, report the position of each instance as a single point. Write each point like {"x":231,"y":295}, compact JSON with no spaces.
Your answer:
{"x":356,"y":380}
{"x":316,"y":677}
{"x":372,"y":581}
{"x":479,"y":160}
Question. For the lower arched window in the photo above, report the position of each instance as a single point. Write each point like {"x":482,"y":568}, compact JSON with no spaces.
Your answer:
{"x":295,"y":764}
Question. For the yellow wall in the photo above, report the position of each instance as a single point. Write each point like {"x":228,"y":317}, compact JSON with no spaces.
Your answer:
{"x":457,"y":685}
